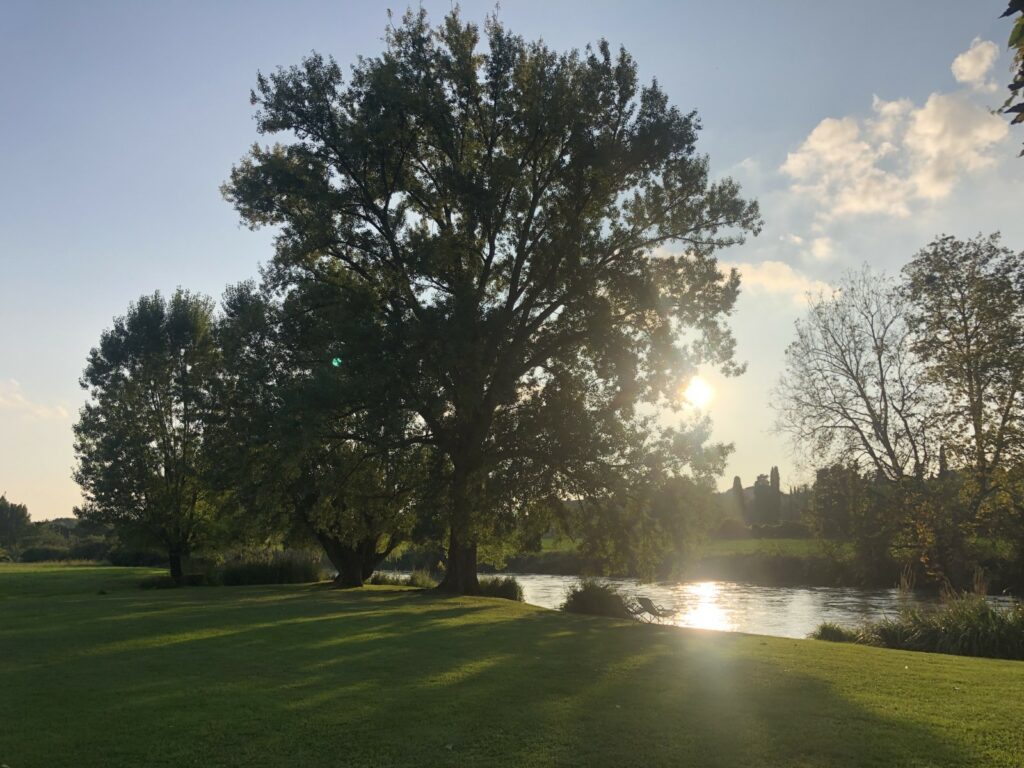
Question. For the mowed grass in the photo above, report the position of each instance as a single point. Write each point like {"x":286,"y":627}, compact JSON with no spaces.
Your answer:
{"x":311,"y":676}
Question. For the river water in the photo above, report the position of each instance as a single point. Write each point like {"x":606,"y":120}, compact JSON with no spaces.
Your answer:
{"x":736,"y":607}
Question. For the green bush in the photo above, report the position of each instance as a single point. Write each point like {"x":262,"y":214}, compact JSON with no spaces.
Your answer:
{"x":501,"y":586}
{"x":422,"y":580}
{"x":288,"y":567}
{"x":90,"y":548}
{"x":597,"y":599}
{"x":834,"y":633}
{"x":44,"y":553}
{"x":731,"y":528}
{"x":127,"y":556}
{"x":966,"y":625}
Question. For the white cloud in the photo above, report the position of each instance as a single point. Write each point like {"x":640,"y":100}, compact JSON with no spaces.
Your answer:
{"x":947,"y":137}
{"x":13,"y":400}
{"x":901,"y":155}
{"x":821,"y":248}
{"x":973,"y":65}
{"x":776,"y":278}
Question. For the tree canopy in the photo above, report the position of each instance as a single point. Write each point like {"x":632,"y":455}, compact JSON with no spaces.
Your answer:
{"x":139,"y":438}
{"x":490,"y":231}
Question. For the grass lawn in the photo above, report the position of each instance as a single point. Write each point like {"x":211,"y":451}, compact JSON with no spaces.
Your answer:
{"x":312,"y":676}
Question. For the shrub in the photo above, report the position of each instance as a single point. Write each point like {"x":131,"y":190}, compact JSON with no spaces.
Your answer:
{"x":43,"y":553}
{"x":123,"y":555}
{"x":834,"y":633}
{"x":383,"y":579}
{"x":502,"y":586}
{"x":91,"y":548}
{"x":422,"y":580}
{"x":731,"y":528}
{"x":288,"y":567}
{"x":596,"y":598}
{"x":966,"y":625}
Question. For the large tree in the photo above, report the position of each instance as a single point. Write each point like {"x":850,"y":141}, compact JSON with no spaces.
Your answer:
{"x":286,"y":461}
{"x":853,"y":392}
{"x":15,"y":523}
{"x":139,"y":438}
{"x":967,"y":313}
{"x":495,"y":221}
{"x":967,"y":310}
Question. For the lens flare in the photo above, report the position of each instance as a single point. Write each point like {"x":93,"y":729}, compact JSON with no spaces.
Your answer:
{"x":698,"y":393}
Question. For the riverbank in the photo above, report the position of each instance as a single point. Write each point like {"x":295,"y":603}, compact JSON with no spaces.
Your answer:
{"x":767,"y":562}
{"x":309,"y":675}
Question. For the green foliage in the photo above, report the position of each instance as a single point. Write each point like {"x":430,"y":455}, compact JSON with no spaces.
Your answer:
{"x":382,"y":579}
{"x":139,"y":439}
{"x":296,"y":466}
{"x":419,"y":579}
{"x":501,"y":586}
{"x":967,"y":312}
{"x":597,"y":599}
{"x":966,"y":625}
{"x":422,"y":580}
{"x":15,"y":524}
{"x":287,"y":567}
{"x":1014,"y":104}
{"x":44,"y":553}
{"x":834,"y":633}
{"x":731,"y":528}
{"x":648,"y":529}
{"x":479,"y":227}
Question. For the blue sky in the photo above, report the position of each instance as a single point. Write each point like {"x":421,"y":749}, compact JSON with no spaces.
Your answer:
{"x":119,"y":121}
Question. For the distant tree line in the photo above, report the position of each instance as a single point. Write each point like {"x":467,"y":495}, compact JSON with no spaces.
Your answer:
{"x":909,"y":396}
{"x":469,"y":333}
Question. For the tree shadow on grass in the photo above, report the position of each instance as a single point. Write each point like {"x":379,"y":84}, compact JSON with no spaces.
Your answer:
{"x":397,"y":678}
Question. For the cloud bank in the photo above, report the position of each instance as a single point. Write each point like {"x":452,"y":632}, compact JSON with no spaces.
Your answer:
{"x":903,"y":154}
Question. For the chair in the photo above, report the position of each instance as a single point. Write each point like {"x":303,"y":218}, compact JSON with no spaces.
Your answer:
{"x":646,"y":605}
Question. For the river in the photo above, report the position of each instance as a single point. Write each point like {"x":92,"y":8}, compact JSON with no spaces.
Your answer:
{"x":735,"y":607}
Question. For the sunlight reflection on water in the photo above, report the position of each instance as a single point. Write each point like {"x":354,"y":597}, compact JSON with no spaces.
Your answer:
{"x":737,"y":607}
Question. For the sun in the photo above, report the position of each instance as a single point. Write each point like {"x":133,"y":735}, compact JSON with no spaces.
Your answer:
{"x":698,"y":393}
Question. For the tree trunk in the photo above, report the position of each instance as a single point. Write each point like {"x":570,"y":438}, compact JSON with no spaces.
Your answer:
{"x":345,"y":559}
{"x":371,"y":558}
{"x":460,"y":576}
{"x":174,"y":558}
{"x":460,"y":573}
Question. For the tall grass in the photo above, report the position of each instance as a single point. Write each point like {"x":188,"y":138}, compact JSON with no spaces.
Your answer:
{"x":834,"y":633}
{"x":501,"y":586}
{"x":287,"y":567}
{"x":383,"y":579}
{"x":418,"y":578}
{"x":422,"y":580}
{"x":965,"y":625}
